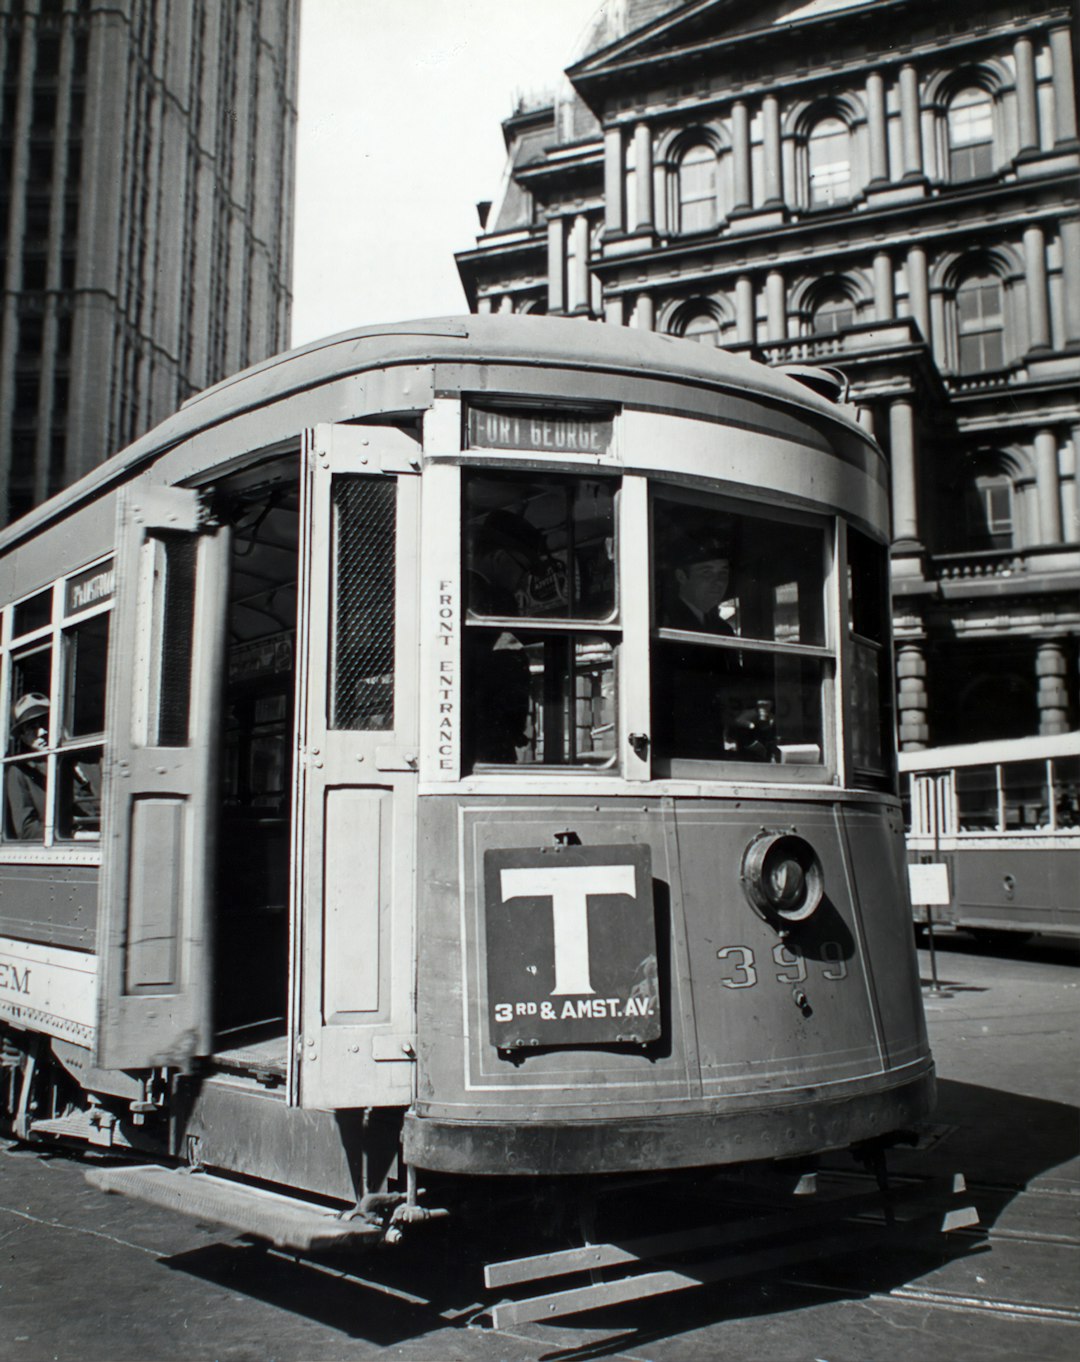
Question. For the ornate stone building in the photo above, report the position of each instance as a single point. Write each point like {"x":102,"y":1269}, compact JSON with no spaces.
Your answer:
{"x":885,"y":187}
{"x":146,"y":172}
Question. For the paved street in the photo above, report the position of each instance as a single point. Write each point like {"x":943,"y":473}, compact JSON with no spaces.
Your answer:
{"x":85,"y":1277}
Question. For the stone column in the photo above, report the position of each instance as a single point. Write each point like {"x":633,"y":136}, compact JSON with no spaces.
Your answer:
{"x":919,"y":289}
{"x":1027,"y":113}
{"x":1070,"y":270}
{"x":645,"y":313}
{"x":613,"y":180}
{"x":556,"y":264}
{"x":614,"y":310}
{"x":577,"y":283}
{"x":1051,"y":669}
{"x":1037,"y":298}
{"x":740,"y":151}
{"x":774,"y":175}
{"x":643,"y":177}
{"x":745,"y":329}
{"x":884,"y":296}
{"x":876,"y":125}
{"x":1061,"y":66}
{"x":902,"y":464}
{"x":1070,"y":494}
{"x":910,"y":129}
{"x":1048,"y":487}
{"x":775,"y":307}
{"x":911,"y":697}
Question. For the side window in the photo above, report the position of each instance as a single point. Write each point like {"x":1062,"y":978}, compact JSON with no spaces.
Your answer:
{"x":870,"y":708}
{"x":27,"y":763}
{"x":541,"y":620}
{"x":56,"y":675}
{"x":361,"y":673}
{"x":740,"y":660}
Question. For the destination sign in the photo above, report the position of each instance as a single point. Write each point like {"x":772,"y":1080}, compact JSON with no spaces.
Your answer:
{"x":540,"y":432}
{"x":90,"y":588}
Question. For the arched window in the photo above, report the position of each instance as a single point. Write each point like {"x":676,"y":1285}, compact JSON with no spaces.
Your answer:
{"x":696,"y":178}
{"x":702,"y":327}
{"x":980,"y":323}
{"x":969,"y":121}
{"x":829,"y":162}
{"x":833,"y":311}
{"x":989,"y":512}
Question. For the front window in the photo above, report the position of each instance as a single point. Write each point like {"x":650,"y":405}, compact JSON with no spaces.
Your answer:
{"x":740,"y":663}
{"x":542,"y":629}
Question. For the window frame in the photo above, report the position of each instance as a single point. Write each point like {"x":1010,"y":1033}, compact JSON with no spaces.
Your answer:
{"x":54,"y":634}
{"x":697,"y":151}
{"x":573,"y":627}
{"x":828,"y":654}
{"x":987,"y":329}
{"x":966,"y":153}
{"x":824,"y":192}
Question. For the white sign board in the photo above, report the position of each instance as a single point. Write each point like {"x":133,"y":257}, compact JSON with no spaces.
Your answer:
{"x":930,"y":885}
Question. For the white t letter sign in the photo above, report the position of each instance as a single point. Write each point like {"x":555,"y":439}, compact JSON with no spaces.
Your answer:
{"x":568,"y":887}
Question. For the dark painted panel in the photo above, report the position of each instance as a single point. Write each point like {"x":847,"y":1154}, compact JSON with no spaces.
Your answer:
{"x":55,"y":904}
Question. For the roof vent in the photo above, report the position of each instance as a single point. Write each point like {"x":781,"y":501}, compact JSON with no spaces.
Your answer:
{"x":828,"y":383}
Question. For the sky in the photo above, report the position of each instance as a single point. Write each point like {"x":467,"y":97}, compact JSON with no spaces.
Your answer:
{"x":399,"y":137}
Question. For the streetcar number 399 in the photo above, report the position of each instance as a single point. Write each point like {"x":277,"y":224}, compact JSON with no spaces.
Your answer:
{"x":740,"y":969}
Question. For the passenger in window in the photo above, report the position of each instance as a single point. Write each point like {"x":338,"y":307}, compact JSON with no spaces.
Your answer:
{"x":25,"y":782}
{"x":504,"y":551}
{"x":700,"y":575}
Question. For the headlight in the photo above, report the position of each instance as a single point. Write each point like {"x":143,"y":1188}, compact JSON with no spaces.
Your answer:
{"x":782,"y":876}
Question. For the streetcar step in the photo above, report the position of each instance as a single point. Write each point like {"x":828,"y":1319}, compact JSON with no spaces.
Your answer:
{"x":284,"y":1221}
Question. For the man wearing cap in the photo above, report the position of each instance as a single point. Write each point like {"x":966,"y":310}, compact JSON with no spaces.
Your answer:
{"x":702,"y":575}
{"x":692,"y":682}
{"x":25,"y":784}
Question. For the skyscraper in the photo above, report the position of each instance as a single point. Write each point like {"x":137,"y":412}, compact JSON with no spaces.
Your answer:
{"x":146,"y":186}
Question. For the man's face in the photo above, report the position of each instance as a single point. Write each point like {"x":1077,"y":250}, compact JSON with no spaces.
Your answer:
{"x":704,"y":585}
{"x":34,"y":734}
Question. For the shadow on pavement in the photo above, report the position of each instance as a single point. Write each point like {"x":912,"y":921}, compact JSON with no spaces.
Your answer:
{"x":999,"y":1141}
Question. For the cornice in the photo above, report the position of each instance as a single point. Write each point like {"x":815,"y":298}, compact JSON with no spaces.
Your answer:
{"x":626,"y":73}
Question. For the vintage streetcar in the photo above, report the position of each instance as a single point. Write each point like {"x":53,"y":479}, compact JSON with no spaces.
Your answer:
{"x":451,"y":750}
{"x":994,"y":836}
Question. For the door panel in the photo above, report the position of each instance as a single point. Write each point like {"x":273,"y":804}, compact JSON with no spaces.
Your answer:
{"x":353,"y":830}
{"x":165,"y":661}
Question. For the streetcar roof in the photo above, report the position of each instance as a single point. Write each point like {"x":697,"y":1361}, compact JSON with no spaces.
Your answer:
{"x":548,"y":342}
{"x":991,"y":753}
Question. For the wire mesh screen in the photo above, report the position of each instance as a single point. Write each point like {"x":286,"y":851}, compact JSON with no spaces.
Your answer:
{"x":177,"y":641}
{"x":362,"y":639}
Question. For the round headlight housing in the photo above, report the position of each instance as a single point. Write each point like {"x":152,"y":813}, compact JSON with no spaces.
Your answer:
{"x":782,"y":877}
